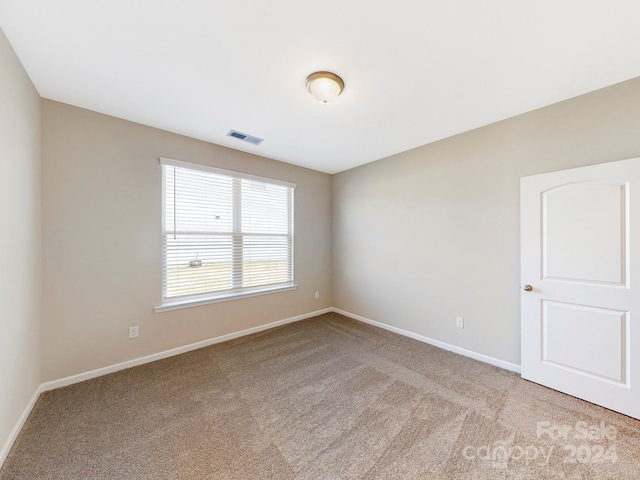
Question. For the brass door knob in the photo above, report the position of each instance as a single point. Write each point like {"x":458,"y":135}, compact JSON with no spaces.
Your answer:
{"x":528,"y":288}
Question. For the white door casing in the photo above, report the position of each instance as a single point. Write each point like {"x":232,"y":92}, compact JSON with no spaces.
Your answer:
{"x":580,"y":253}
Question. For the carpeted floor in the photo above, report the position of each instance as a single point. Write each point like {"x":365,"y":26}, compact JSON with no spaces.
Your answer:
{"x":325,"y":398}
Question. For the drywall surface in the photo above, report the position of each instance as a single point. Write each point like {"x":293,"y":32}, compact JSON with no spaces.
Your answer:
{"x":433,"y":233}
{"x":20,"y":242}
{"x":102,"y":244}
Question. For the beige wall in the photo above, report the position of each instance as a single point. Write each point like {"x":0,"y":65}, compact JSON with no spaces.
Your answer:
{"x":433,"y":233}
{"x":20,"y":241}
{"x":102,"y":244}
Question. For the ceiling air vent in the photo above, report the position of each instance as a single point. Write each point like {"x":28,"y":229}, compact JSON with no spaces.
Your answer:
{"x":244,"y":137}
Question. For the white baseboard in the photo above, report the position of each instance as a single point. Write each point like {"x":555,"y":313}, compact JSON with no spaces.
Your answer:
{"x":6,"y":448}
{"x":81,"y":377}
{"x":436,"y":343}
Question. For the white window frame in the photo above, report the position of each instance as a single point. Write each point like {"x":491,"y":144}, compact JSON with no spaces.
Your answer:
{"x":173,"y":303}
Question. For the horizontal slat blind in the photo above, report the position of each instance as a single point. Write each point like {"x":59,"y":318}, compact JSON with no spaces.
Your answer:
{"x":224,"y":233}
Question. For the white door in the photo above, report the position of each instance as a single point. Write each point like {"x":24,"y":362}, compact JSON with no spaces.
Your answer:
{"x":580,"y":240}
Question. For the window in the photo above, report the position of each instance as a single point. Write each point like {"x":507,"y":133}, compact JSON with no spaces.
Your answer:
{"x":224,"y":235}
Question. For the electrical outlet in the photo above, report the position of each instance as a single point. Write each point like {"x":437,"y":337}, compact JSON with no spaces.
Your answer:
{"x":134,"y":332}
{"x":317,"y":294}
{"x":459,"y":322}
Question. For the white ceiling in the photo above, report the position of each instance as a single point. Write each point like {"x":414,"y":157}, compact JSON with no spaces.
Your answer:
{"x":416,"y":71}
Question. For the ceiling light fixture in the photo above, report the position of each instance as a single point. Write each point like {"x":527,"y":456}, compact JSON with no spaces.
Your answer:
{"x":325,"y":86}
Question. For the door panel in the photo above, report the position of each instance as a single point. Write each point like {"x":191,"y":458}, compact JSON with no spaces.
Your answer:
{"x":598,"y":339}
{"x":583,"y":227}
{"x":580,"y":331}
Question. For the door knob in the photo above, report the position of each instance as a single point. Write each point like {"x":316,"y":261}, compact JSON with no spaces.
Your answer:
{"x":528,"y":288}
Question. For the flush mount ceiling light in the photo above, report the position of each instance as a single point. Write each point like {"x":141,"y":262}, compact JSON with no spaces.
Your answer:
{"x":325,"y":86}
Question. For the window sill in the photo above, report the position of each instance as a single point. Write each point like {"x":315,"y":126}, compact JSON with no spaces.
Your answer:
{"x":195,"y":302}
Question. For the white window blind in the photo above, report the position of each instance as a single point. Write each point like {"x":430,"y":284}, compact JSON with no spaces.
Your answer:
{"x":224,"y":233}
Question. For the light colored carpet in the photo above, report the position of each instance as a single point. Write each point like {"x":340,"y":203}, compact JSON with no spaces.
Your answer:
{"x":325,"y":398}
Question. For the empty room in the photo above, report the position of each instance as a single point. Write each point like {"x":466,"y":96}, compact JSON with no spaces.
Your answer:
{"x":339,"y":240}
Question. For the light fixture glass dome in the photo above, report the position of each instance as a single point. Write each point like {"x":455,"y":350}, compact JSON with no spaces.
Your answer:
{"x":325,"y":86}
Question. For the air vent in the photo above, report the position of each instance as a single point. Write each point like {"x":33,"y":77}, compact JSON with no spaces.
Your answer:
{"x":244,"y":137}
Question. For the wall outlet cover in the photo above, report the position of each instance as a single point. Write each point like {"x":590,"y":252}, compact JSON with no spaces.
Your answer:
{"x":134,"y":332}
